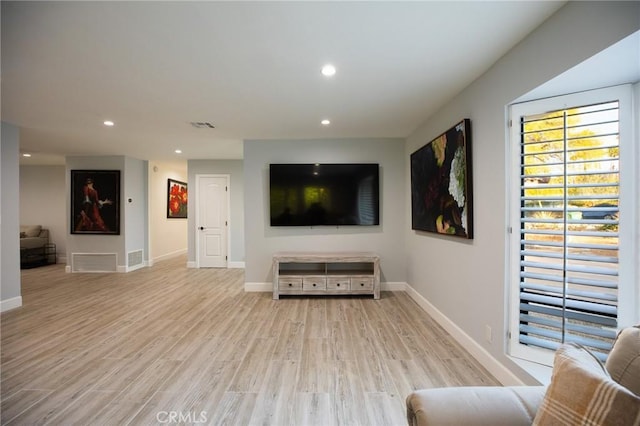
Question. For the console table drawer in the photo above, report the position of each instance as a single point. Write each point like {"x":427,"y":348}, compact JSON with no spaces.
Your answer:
{"x":314,"y":284}
{"x":362,"y":284}
{"x":290,"y":284}
{"x":338,"y":284}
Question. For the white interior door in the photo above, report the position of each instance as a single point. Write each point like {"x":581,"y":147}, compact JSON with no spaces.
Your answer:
{"x":212,"y":220}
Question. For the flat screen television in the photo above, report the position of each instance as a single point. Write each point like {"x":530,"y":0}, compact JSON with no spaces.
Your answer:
{"x":324,"y":194}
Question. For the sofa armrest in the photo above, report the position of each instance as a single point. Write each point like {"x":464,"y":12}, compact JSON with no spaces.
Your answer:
{"x":490,"y":405}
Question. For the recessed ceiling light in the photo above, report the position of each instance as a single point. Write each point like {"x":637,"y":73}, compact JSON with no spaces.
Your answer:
{"x":178,"y":151}
{"x":328,"y":70}
{"x":26,"y":154}
{"x":108,"y":123}
{"x":325,"y":122}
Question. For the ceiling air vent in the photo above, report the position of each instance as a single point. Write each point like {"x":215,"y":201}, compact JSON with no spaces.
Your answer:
{"x":202,"y":125}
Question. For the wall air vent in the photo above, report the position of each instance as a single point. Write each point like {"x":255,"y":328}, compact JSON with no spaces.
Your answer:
{"x":94,"y":262}
{"x":202,"y":125}
{"x":134,"y":258}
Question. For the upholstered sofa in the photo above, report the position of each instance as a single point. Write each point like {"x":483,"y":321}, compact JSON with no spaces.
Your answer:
{"x":582,"y":391}
{"x":33,"y":236}
{"x":35,"y":249}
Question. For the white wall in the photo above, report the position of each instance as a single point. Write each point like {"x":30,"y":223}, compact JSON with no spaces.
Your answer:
{"x":233,"y":168}
{"x":134,"y":205}
{"x":636,"y":136}
{"x":10,"y":291}
{"x":47,"y":205}
{"x":88,"y":243}
{"x":465,"y":281}
{"x":43,"y":202}
{"x":168,"y":237}
{"x":133,"y":215}
{"x":262,"y":240}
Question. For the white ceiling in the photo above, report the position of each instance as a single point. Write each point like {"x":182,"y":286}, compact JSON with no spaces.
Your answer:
{"x":250,"y":68}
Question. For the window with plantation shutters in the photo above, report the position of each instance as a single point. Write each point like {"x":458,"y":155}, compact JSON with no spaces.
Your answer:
{"x":566,"y":226}
{"x":366,"y":203}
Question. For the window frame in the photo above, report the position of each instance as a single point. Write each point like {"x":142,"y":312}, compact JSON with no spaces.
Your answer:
{"x":629,"y":280}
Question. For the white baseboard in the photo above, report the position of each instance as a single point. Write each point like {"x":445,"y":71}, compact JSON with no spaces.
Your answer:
{"x":119,"y":269}
{"x":166,"y":256}
{"x":499,"y":371}
{"x":231,"y":265}
{"x":258,"y":287}
{"x":393,"y":286}
{"x":14,"y":302}
{"x":134,"y":268}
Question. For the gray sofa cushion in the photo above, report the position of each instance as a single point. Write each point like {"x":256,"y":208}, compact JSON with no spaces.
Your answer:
{"x":37,"y":241}
{"x":30,"y":230}
{"x":490,"y":405}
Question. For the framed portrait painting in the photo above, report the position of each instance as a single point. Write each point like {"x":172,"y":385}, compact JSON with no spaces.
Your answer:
{"x":441,"y":186}
{"x":177,"y":197}
{"x":95,"y":202}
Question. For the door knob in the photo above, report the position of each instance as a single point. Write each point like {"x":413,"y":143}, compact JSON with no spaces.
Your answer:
{"x":201,"y":228}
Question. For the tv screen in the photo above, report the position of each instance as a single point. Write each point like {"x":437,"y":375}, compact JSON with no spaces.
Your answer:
{"x":324,"y":194}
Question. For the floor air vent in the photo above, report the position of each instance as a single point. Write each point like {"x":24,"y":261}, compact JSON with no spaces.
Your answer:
{"x":94,"y":262}
{"x":134,"y":258}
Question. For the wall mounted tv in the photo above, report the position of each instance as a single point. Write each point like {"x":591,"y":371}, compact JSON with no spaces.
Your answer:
{"x":324,"y":194}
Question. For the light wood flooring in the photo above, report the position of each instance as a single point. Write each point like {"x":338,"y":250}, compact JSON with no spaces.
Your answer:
{"x":140,"y":347}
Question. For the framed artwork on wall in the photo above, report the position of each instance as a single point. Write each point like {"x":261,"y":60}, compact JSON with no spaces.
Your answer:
{"x":441,"y":187}
{"x":95,"y":202}
{"x":177,"y":196}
